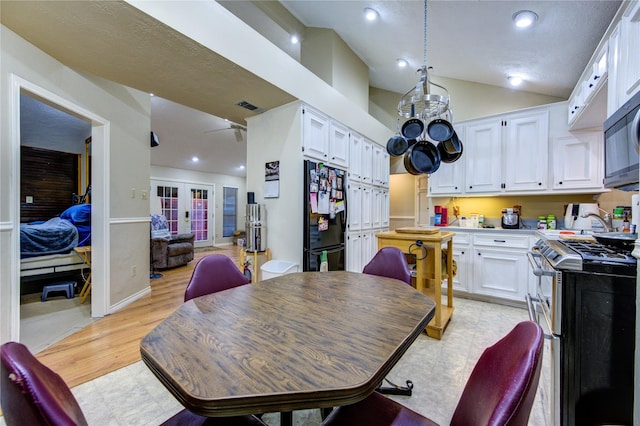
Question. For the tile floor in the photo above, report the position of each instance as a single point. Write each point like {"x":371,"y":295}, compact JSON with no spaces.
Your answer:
{"x":438,"y":369}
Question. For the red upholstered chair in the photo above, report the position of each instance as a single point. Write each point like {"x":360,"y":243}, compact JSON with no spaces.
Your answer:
{"x":32,"y":394}
{"x":389,"y":262}
{"x":213,"y":273}
{"x":500,"y":390}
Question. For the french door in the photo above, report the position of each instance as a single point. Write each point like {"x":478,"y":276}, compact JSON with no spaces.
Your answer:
{"x":188,"y":207}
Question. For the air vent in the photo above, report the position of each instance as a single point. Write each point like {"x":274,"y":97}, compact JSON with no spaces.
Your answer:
{"x":247,"y":105}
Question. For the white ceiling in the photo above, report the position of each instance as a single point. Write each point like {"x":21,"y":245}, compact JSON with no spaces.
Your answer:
{"x":466,"y":40}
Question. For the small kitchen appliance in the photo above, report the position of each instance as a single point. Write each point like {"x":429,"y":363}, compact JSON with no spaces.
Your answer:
{"x":510,"y":218}
{"x":583,"y":217}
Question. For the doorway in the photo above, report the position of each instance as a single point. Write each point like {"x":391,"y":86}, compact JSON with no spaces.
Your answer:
{"x":188,"y":207}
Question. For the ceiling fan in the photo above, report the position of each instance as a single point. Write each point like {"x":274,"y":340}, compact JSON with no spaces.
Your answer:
{"x":238,"y":129}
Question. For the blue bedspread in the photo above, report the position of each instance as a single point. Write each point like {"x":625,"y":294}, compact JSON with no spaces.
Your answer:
{"x":51,"y":237}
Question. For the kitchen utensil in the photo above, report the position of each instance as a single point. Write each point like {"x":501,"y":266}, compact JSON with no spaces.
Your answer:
{"x":413,"y":127}
{"x":423,"y":157}
{"x":623,"y":240}
{"x":440,"y":130}
{"x":445,"y":157}
{"x":452,"y":145}
{"x":397,"y":145}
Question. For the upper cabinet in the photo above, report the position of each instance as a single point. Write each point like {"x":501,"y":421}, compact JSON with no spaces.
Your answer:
{"x":507,"y":153}
{"x":449,"y":178}
{"x":588,"y":102}
{"x":325,"y":139}
{"x":624,"y":59}
{"x":338,"y":145}
{"x":577,"y":161}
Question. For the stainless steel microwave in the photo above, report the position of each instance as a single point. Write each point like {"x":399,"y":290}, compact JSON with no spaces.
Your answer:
{"x":621,"y":152}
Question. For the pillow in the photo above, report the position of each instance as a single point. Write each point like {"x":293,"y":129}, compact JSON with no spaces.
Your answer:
{"x":78,"y":214}
{"x":159,"y":226}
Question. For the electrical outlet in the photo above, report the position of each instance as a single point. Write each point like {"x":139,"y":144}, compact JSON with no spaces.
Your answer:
{"x":134,"y":271}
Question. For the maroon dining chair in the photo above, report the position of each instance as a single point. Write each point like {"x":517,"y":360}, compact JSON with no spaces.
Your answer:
{"x":213,"y":273}
{"x":500,"y":390}
{"x":33,"y":394}
{"x":389,"y":262}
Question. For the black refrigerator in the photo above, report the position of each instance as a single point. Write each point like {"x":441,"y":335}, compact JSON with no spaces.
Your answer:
{"x":325,"y":216}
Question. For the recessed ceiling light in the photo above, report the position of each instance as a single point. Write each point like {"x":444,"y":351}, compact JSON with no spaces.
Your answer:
{"x":370,"y":14}
{"x":524,"y":18}
{"x":294,"y":39}
{"x":402,"y":63}
{"x":514,"y":80}
{"x":195,"y":159}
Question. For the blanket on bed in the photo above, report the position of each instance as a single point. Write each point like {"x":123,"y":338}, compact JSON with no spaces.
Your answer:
{"x":51,"y":237}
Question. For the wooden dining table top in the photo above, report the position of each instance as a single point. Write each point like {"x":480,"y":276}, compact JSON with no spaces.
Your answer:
{"x":297,"y":341}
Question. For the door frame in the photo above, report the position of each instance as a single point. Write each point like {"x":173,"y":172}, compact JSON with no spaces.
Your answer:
{"x":184,"y":200}
{"x":100,"y":131}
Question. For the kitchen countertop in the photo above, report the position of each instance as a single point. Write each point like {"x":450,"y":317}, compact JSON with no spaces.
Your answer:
{"x":522,"y":231}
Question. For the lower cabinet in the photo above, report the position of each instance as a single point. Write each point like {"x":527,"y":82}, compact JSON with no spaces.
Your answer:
{"x":462,"y":257}
{"x":361,"y":247}
{"x":500,"y":266}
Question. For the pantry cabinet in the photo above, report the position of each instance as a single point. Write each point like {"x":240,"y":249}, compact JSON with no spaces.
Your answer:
{"x":356,"y":142}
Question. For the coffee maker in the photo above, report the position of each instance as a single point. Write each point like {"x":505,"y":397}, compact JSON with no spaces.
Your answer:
{"x":510,"y":218}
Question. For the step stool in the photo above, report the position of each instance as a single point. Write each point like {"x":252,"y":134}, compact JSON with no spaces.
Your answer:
{"x":67,"y":286}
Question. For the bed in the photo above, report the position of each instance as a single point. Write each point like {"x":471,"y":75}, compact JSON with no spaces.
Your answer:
{"x":47,"y":247}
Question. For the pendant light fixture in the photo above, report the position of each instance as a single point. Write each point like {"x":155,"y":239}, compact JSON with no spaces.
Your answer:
{"x":419,"y":102}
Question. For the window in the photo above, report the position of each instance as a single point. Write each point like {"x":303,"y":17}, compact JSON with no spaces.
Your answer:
{"x":169,"y":204}
{"x":229,"y":210}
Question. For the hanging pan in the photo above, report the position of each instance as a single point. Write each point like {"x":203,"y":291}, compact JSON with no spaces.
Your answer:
{"x":413,"y":127}
{"x":440,"y":130}
{"x":422,"y":158}
{"x":397,"y":145}
{"x":453,"y":145}
{"x":445,"y":157}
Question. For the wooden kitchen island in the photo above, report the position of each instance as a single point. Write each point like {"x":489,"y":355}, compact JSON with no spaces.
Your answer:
{"x":429,"y":274}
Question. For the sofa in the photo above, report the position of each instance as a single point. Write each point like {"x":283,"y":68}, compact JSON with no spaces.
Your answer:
{"x":169,"y":251}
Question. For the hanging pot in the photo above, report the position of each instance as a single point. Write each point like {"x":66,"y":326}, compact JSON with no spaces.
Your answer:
{"x":413,"y":127}
{"x":397,"y":145}
{"x":422,"y":158}
{"x":440,"y":130}
{"x":453,"y":145}
{"x":445,"y":157}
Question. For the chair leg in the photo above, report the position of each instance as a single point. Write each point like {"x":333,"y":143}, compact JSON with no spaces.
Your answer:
{"x":395,"y":389}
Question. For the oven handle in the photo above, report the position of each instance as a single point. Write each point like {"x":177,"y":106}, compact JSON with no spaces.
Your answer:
{"x":538,"y":270}
{"x":532,"y":316}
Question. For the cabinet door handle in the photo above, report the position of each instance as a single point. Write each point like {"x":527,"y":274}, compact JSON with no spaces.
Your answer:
{"x":499,"y":241}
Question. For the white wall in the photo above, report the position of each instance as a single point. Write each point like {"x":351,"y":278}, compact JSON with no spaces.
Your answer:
{"x":219,"y":182}
{"x":121,"y":153}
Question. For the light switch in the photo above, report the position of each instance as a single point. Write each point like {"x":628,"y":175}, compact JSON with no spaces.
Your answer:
{"x":133,"y":193}
{"x":143,"y":195}
{"x":28,"y":199}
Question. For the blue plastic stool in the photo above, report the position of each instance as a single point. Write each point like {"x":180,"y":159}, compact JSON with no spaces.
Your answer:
{"x":67,"y":286}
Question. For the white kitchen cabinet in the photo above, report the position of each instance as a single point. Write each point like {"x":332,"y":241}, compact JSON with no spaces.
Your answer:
{"x":380,"y":164}
{"x":450,"y":177}
{"x":483,"y":150}
{"x":462,"y":255}
{"x":500,"y":266}
{"x":354,"y":206}
{"x":385,"y":208}
{"x":315,"y":134}
{"x":356,"y":142}
{"x":577,"y":161}
{"x":367,"y":207}
{"x":526,"y":156}
{"x":367,"y":161}
{"x":624,"y":60}
{"x":338,"y":145}
{"x":354,"y":252}
{"x":369,"y":247}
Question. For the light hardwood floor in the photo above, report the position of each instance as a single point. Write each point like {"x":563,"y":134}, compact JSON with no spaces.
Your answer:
{"x":113,"y":342}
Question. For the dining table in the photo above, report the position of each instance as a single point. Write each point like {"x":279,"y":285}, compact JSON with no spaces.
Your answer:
{"x":296,"y":341}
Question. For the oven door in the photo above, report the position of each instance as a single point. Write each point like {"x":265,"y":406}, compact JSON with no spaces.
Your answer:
{"x":544,"y":309}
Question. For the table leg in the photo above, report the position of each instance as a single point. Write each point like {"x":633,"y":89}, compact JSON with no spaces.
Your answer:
{"x":286,"y":418}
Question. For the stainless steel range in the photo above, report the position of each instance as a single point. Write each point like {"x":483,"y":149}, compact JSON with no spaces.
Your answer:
{"x":586,"y":297}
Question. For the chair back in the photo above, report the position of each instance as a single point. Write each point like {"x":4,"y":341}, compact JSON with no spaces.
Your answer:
{"x":503,"y":384}
{"x":389,"y":262}
{"x":213,"y":273}
{"x":32,"y":394}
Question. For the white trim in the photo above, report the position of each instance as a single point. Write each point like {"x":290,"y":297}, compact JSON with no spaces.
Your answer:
{"x":100,"y":133}
{"x":127,"y":220}
{"x":129,"y":300}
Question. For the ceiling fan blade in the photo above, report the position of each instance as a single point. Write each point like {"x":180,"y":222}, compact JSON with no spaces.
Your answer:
{"x":239,"y":137}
